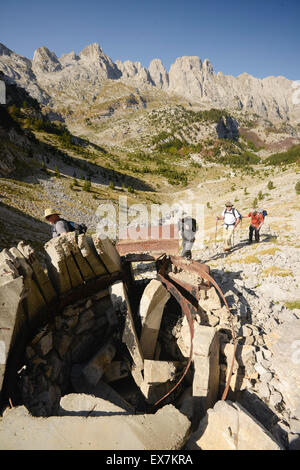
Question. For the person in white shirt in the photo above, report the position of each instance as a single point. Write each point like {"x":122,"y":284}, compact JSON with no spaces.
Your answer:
{"x":58,"y":225}
{"x":231,"y":217}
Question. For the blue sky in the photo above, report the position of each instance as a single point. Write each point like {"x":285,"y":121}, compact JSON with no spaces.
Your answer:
{"x":258,"y":37}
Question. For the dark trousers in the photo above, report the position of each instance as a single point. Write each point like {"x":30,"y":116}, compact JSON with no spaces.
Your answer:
{"x":256,"y":233}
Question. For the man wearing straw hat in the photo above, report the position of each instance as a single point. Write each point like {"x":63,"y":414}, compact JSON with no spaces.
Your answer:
{"x":231,"y":217}
{"x":58,"y":225}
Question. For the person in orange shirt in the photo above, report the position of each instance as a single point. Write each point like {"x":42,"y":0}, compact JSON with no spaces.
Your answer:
{"x":256,"y":223}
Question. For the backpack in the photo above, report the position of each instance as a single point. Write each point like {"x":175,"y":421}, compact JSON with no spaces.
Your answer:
{"x":74,"y":227}
{"x":264,"y":213}
{"x":188,"y":233}
{"x":256,"y":215}
{"x":233,"y":213}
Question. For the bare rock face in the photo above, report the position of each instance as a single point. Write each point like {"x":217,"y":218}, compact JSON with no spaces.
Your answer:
{"x":186,"y":77}
{"x":159,"y":75}
{"x":45,"y":61}
{"x":83,"y":75}
{"x":18,"y":69}
{"x":270,"y":97}
{"x":93,"y":57}
{"x":7,"y":162}
{"x":135,"y":71}
{"x":66,"y":59}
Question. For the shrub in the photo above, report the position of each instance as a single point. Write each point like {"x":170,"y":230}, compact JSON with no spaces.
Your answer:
{"x":87,"y":185}
{"x":260,"y":195}
{"x":297,"y":187}
{"x":240,"y":161}
{"x":57,"y":172}
{"x":293,"y":305}
{"x":254,"y":203}
{"x":290,"y":156}
{"x":14,"y":111}
{"x":270,"y":185}
{"x":112,"y":185}
{"x":276,"y":271}
{"x":252,"y":146}
{"x":250,"y":259}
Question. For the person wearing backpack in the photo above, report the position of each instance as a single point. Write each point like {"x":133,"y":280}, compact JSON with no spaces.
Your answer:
{"x":187,"y":227}
{"x":257,"y":220}
{"x":232,"y":218}
{"x":60,"y":226}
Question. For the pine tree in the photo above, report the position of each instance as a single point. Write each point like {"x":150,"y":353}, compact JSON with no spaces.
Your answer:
{"x":87,"y":186}
{"x":57,"y":172}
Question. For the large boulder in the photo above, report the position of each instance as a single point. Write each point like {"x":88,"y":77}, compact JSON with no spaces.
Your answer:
{"x":228,"y":426}
{"x":284,"y":342}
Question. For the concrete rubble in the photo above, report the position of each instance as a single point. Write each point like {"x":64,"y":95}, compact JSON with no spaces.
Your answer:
{"x":228,"y":426}
{"x":79,"y":340}
{"x":167,"y":429}
{"x":152,"y":304}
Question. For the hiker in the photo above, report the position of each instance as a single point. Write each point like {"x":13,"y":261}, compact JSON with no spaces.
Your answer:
{"x":58,"y":225}
{"x":187,"y":227}
{"x":257,"y":220}
{"x":231,"y":217}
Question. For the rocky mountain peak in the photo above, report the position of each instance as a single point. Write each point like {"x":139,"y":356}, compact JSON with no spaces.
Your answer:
{"x":45,"y":61}
{"x":4,"y":50}
{"x":158,"y":73}
{"x":133,"y":70}
{"x":92,"y":56}
{"x":188,"y":77}
{"x":92,"y":52}
{"x":208,"y":67}
{"x":188,"y":63}
{"x":68,"y":58}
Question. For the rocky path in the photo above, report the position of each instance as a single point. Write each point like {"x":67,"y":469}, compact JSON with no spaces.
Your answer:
{"x":262,"y":285}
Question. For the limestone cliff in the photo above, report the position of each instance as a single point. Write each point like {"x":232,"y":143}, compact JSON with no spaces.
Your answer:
{"x":75,"y":78}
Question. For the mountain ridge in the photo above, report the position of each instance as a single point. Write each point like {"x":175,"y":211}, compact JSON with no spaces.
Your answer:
{"x":188,"y":77}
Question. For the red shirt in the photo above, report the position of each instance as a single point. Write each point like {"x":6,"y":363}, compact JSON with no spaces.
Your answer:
{"x":256,"y":218}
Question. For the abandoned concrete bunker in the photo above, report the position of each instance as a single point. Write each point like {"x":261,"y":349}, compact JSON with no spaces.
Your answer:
{"x":103,"y":351}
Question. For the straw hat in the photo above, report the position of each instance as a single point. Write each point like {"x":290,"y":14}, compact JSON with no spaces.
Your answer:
{"x":228,"y":203}
{"x":50,"y":211}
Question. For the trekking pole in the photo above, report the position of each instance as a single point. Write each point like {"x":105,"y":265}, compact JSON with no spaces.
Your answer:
{"x":216,"y":231}
{"x":241,"y":229}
